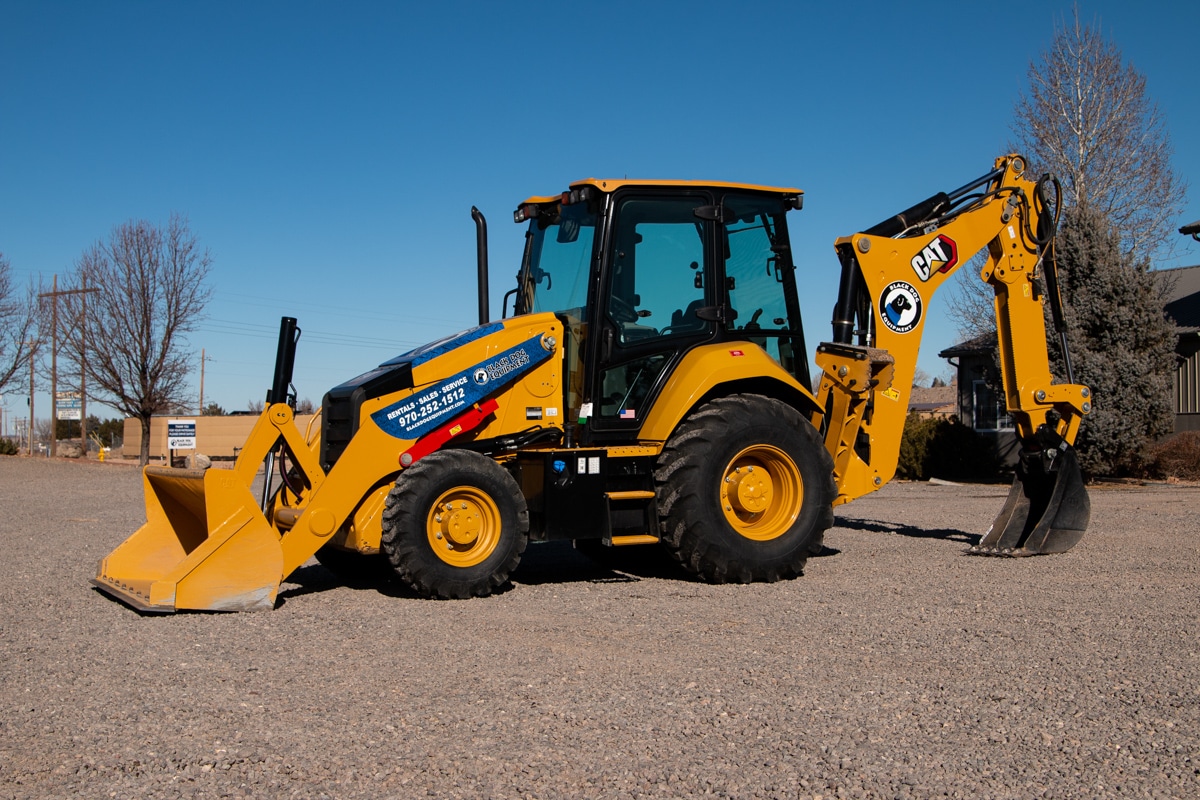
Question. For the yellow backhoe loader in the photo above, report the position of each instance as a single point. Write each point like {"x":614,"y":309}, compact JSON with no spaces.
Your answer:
{"x":651,"y":386}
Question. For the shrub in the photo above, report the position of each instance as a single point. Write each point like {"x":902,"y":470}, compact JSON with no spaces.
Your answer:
{"x":1177,"y":456}
{"x":945,"y":448}
{"x":7,"y":448}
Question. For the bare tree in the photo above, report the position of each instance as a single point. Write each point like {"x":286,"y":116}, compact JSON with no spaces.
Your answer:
{"x":18,"y":326}
{"x":1087,"y":119}
{"x":970,"y":303}
{"x":151,"y":294}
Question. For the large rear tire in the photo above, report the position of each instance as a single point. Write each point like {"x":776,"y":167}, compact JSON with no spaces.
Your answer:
{"x":455,"y":525}
{"x":745,"y":491}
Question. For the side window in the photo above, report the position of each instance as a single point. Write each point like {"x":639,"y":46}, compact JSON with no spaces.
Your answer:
{"x":754,"y":277}
{"x":987,"y":409}
{"x":657,"y":281}
{"x":655,"y":286}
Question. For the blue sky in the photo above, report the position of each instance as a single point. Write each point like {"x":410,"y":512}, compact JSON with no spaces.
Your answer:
{"x":328,"y":154}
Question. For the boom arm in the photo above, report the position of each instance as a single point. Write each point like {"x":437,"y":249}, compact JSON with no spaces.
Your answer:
{"x":889,"y":275}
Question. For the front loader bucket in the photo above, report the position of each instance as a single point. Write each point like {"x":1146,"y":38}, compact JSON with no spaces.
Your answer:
{"x":205,"y":546}
{"x":1047,"y":509}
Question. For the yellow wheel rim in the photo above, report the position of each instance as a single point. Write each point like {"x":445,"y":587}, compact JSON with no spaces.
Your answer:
{"x":761,"y":492}
{"x":463,"y":526}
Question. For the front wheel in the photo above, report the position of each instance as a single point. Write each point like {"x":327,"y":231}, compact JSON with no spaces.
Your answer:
{"x":745,"y":491}
{"x":455,"y":525}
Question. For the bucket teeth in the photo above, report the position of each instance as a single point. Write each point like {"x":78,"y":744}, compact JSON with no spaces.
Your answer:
{"x":1047,"y":508}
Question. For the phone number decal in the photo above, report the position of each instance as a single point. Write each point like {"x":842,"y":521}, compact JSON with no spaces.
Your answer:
{"x":418,"y":414}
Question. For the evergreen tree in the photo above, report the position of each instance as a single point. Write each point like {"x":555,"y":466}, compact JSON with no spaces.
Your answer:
{"x":1122,"y":344}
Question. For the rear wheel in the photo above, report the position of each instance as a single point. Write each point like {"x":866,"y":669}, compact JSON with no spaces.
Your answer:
{"x":745,"y":490}
{"x":455,"y":525}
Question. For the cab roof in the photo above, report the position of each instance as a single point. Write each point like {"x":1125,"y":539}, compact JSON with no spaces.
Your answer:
{"x":612,"y":184}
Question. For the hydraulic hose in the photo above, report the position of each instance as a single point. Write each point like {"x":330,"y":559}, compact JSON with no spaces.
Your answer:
{"x":1044,"y":237}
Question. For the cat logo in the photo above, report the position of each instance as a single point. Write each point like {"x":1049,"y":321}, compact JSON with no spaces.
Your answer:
{"x":940,"y":255}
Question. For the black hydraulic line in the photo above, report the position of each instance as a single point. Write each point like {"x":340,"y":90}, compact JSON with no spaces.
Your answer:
{"x":847,"y":302}
{"x":995,"y":174}
{"x":285,"y":360}
{"x":922,"y":211}
{"x":481,"y":257}
{"x":1047,"y":229}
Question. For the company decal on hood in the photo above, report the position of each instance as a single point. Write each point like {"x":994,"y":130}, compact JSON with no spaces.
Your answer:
{"x":435,"y":405}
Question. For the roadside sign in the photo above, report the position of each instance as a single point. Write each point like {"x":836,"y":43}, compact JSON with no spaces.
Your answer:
{"x":181,"y":434}
{"x":69,"y":405}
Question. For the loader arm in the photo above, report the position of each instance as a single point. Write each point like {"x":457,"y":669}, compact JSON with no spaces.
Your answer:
{"x":889,"y":276}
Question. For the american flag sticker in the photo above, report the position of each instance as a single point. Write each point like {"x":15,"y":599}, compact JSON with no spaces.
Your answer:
{"x":628,"y":413}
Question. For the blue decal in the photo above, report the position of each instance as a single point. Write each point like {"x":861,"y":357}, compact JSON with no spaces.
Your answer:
{"x":428,"y":352}
{"x":426,"y":409}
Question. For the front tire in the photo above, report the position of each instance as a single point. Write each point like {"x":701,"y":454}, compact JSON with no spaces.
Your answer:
{"x":455,"y":525}
{"x":745,"y":491}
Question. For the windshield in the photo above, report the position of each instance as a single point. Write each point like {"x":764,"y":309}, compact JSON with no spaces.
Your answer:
{"x":558,"y":259}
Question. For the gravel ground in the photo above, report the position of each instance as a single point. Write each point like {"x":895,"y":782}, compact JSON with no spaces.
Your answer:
{"x":896,"y":667}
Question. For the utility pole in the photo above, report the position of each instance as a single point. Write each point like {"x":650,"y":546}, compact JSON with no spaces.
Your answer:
{"x":54,"y":295}
{"x":83,"y":293}
{"x":203,"y":358}
{"x":31,"y":353}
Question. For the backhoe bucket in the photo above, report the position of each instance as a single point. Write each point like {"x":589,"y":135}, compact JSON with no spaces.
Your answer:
{"x":1047,"y":509}
{"x":205,"y":546}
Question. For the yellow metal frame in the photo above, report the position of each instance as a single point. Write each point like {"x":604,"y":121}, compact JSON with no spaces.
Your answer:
{"x":207,"y":545}
{"x":702,"y":370}
{"x":866,"y":391}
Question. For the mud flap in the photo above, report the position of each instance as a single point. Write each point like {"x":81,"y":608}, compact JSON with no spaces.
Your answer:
{"x":1047,"y":508}
{"x":205,"y":546}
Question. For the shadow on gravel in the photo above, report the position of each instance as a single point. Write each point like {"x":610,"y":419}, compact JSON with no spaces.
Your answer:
{"x":947,"y":534}
{"x":560,"y":562}
{"x":542,"y":563}
{"x":317,"y":578}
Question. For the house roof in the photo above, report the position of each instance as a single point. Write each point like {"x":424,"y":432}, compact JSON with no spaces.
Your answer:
{"x":929,"y":398}
{"x":977,"y":346}
{"x":1182,"y":296}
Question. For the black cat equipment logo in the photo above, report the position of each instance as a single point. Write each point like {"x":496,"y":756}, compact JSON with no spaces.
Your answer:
{"x":940,"y":255}
{"x":900,"y":307}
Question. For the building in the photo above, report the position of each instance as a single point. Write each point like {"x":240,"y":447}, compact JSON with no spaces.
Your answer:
{"x":1182,"y":296}
{"x":938,"y":401}
{"x":981,"y":407}
{"x":216,"y":437}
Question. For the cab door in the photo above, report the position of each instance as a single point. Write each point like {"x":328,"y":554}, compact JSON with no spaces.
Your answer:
{"x":761,"y":302}
{"x":656,"y":296}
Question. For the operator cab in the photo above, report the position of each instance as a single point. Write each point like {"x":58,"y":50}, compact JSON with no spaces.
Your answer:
{"x":642,"y":272}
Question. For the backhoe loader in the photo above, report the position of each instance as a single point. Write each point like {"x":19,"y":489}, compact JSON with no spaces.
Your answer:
{"x":651,"y":386}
